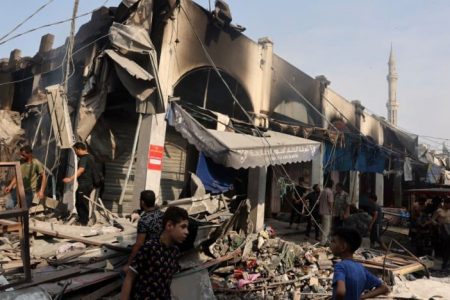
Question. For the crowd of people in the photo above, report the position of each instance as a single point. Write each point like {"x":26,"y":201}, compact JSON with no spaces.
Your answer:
{"x":430,"y":227}
{"x":336,"y":221}
{"x":329,"y":210}
{"x":332,"y":208}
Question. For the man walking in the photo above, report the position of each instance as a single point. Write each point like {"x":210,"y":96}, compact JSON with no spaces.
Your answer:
{"x":84,"y":176}
{"x":341,"y":209}
{"x":374,"y":210}
{"x":32,"y":170}
{"x":326,"y":200}
{"x":313,"y":211}
{"x":297,"y":203}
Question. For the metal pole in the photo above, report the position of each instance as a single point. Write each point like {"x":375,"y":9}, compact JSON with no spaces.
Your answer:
{"x":66,"y":89}
{"x":156,"y":74}
{"x":133,"y":153}
{"x":70,"y":44}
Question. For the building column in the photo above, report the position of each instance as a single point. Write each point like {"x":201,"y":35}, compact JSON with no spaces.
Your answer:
{"x":354,"y":188}
{"x":149,"y":154}
{"x":266,"y":73}
{"x":150,"y":151}
{"x":379,"y":188}
{"x":317,"y":168}
{"x":398,"y":191}
{"x":256,"y":191}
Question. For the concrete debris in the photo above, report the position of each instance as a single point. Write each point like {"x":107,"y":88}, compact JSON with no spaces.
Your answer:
{"x":270,"y":267}
{"x":63,"y":252}
{"x":67,"y":247}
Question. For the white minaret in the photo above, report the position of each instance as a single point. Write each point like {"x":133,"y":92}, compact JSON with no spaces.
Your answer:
{"x":392,"y":77}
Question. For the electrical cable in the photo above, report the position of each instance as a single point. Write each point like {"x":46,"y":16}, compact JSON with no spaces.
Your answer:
{"x":25,"y":20}
{"x":48,"y":25}
{"x":408,"y":132}
{"x":360,"y":134}
{"x":57,"y":67}
{"x":43,"y":26}
{"x":237,"y":102}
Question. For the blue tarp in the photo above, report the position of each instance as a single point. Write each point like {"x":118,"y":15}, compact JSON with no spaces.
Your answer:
{"x":356,"y":154}
{"x":216,"y":178}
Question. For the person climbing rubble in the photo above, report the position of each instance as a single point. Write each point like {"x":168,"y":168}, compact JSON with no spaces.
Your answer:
{"x":32,"y":171}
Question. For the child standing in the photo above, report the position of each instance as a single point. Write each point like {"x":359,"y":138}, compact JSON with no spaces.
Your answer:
{"x":157,"y":260}
{"x":351,"y":279}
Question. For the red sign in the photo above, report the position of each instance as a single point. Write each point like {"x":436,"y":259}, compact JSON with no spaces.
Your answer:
{"x":155,"y":157}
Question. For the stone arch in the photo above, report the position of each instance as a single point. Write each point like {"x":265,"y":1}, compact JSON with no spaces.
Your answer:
{"x":193,"y":85}
{"x":292,"y":109}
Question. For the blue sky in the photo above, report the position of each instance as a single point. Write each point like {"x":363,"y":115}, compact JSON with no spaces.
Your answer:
{"x":348,"y":41}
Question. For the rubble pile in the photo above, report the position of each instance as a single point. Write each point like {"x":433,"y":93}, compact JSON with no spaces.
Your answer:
{"x":70,"y":260}
{"x":66,"y":259}
{"x":271,"y":268}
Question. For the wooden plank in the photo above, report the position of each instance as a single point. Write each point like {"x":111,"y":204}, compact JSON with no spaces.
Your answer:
{"x":409,"y":269}
{"x":103,"y":291}
{"x":48,"y":277}
{"x":80,"y":282}
{"x":66,"y":273}
{"x":37,"y":209}
{"x":72,"y":237}
{"x":11,"y":228}
{"x":17,"y":265}
{"x":13,"y":213}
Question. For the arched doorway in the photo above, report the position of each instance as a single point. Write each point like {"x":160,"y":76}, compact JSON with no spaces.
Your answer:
{"x":204,"y":88}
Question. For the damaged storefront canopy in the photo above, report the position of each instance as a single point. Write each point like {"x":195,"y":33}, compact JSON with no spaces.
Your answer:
{"x":135,"y":40}
{"x":237,"y":150}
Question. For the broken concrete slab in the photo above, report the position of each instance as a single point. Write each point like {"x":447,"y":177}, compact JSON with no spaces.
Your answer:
{"x":182,"y":286}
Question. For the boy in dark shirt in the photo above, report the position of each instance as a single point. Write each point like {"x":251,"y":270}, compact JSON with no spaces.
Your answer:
{"x":350,"y":278}
{"x":149,"y":225}
{"x":157,"y":261}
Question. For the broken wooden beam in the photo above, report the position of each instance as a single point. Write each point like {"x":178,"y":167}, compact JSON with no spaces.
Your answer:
{"x":103,"y":290}
{"x":57,"y":234}
{"x":57,"y":275}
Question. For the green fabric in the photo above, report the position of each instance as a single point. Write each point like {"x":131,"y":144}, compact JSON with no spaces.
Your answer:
{"x":31,"y":171}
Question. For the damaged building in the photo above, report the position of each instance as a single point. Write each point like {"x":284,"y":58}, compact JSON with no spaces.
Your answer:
{"x":136,"y":64}
{"x":117,"y":103}
{"x":172,"y":97}
{"x":145,"y":69}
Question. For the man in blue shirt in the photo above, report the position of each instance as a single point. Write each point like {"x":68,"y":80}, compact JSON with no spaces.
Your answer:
{"x":351,"y":279}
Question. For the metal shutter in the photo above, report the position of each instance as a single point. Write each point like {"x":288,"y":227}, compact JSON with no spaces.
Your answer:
{"x":174,"y":165}
{"x":116,"y":170}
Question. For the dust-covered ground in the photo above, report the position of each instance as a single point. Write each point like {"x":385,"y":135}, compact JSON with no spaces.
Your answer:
{"x":414,"y":286}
